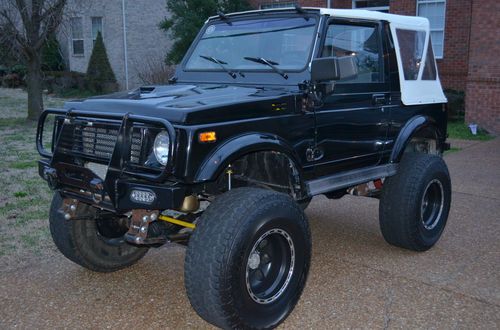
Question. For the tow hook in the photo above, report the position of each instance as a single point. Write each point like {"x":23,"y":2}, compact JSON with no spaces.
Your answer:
{"x":140,"y":223}
{"x":69,"y":208}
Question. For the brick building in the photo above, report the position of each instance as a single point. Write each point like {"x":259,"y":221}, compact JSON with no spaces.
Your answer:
{"x":465,"y":38}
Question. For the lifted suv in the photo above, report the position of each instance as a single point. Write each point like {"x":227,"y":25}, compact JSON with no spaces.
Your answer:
{"x":267,"y":109}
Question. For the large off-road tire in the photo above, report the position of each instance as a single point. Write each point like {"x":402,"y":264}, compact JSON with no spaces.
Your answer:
{"x":94,"y":243}
{"x":248,"y":259}
{"x":415,"y":202}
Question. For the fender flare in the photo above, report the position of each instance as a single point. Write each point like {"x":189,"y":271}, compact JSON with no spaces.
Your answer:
{"x":412,"y":126}
{"x":218,"y":160}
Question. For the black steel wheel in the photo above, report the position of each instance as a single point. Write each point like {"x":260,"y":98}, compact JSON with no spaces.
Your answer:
{"x":432,"y":204}
{"x":248,"y":259}
{"x":270,"y":266}
{"x":94,"y":242}
{"x":415,"y":202}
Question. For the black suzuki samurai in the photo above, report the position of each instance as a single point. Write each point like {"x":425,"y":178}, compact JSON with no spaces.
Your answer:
{"x":267,"y":109}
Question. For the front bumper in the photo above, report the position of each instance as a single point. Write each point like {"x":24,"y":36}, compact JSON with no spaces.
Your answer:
{"x":69,"y":169}
{"x":84,"y":185}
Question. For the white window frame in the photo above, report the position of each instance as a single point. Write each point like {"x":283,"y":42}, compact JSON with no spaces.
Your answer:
{"x":419,"y":2}
{"x":92,"y":27}
{"x":77,"y":39}
{"x":380,"y":8}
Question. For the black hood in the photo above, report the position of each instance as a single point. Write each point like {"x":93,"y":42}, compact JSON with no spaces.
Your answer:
{"x":188,"y":104}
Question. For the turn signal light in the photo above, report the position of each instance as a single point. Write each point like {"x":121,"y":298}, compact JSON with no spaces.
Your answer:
{"x":207,"y":137}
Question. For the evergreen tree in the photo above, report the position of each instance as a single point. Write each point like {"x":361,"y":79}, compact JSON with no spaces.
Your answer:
{"x":100,"y":75}
{"x":52,"y":59}
{"x":188,"y":17}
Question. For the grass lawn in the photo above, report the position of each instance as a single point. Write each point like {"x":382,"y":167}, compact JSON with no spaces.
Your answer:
{"x":25,"y":198}
{"x":460,"y":130}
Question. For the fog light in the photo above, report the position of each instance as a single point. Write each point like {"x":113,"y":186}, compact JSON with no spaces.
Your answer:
{"x":142,"y":196}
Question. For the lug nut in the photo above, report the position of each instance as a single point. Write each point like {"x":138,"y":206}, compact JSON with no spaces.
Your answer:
{"x":138,"y":239}
{"x":145,"y":219}
{"x":143,"y":229}
{"x":67,"y":216}
{"x":153,"y":216}
{"x":72,"y":207}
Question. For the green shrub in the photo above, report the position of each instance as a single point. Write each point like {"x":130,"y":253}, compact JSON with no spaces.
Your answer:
{"x":100,"y":76}
{"x":61,"y":82}
{"x":19,"y":69}
{"x":52,"y":59}
{"x":3,"y":70}
{"x":456,"y":103}
{"x":12,"y":80}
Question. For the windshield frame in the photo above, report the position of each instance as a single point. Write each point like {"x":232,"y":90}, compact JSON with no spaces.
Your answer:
{"x":254,"y":16}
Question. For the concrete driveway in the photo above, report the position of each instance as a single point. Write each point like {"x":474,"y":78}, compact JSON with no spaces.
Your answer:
{"x":356,"y":279}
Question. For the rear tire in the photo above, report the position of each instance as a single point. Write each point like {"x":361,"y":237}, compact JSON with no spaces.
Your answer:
{"x":96,"y":244}
{"x":248,"y":259}
{"x":415,"y":202}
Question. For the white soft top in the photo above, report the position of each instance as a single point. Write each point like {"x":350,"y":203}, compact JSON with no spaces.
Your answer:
{"x":414,"y":22}
{"x":415,"y":88}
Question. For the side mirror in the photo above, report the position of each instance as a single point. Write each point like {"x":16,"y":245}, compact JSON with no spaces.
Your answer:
{"x":333,"y":68}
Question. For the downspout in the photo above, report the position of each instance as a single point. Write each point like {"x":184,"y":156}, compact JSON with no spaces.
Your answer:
{"x":125,"y":51}
{"x":329,"y":4}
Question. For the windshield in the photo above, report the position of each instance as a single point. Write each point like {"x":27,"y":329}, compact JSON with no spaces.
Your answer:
{"x":284,"y":42}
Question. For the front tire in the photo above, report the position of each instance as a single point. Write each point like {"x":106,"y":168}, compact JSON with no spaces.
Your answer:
{"x":94,"y":243}
{"x":415,"y":202}
{"x":248,"y":259}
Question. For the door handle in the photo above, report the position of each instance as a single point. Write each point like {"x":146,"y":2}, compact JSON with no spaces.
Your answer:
{"x":379,"y":99}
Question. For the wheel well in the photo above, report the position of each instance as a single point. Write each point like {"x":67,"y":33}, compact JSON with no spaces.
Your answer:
{"x":266,"y":169}
{"x":424,"y":141}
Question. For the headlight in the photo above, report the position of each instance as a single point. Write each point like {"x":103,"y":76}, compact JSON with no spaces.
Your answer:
{"x":162,"y":147}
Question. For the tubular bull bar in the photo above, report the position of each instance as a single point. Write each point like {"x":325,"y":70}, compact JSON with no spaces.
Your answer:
{"x":112,"y":192}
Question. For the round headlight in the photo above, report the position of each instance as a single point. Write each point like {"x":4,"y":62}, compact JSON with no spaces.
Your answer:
{"x":162,"y":147}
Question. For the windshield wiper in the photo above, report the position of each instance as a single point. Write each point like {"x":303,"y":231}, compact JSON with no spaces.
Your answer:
{"x":269,"y":63}
{"x":220,"y":63}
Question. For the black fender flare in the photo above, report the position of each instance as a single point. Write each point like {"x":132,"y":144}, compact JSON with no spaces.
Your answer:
{"x":414,"y":125}
{"x":239,"y":146}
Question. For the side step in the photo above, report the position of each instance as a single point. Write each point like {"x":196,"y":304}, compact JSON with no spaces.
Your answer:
{"x":349,"y":178}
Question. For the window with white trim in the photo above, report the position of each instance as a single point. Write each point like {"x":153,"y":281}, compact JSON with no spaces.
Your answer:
{"x":378,"y":5}
{"x":434,"y":11}
{"x":77,"y":36}
{"x":96,"y":27}
{"x":278,"y":5}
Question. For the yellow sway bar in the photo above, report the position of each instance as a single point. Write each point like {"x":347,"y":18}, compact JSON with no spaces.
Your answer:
{"x":177,"y":222}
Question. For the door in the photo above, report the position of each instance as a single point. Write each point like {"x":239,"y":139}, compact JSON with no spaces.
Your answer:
{"x":352,"y":121}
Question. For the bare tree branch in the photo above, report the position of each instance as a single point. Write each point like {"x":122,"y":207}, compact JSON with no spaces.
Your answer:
{"x":38,"y":20}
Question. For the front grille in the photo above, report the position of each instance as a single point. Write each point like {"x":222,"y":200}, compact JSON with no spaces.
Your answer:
{"x":96,"y":141}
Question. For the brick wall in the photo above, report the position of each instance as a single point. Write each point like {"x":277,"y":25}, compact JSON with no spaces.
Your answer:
{"x":305,"y":3}
{"x":453,"y":67}
{"x":483,"y":81}
{"x":403,"y":7}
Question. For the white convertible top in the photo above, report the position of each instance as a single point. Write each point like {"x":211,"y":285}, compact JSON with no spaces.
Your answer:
{"x":416,"y":88}
{"x":418,"y":74}
{"x":415,"y":22}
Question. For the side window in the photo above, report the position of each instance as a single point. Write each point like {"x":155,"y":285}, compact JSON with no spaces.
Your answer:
{"x":361,"y":42}
{"x":430,"y":65}
{"x":411,"y":46}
